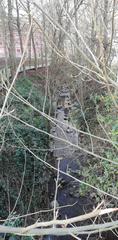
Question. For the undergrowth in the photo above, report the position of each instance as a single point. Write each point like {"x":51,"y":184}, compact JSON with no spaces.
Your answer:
{"x":20,"y":170}
{"x":100,"y":114}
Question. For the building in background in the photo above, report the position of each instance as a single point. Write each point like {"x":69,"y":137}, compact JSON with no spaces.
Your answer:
{"x":38,"y":41}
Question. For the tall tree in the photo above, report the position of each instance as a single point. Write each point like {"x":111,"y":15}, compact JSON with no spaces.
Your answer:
{"x":105,"y":34}
{"x":32,"y":37}
{"x":4,"y":29}
{"x":12,"y":53}
{"x":77,"y":41}
{"x":19,"y":30}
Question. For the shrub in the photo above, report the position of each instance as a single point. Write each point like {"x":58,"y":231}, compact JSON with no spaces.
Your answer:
{"x":14,"y":156}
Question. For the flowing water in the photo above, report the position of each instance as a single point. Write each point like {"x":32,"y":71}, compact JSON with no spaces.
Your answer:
{"x":72,"y":204}
{"x":68,"y":197}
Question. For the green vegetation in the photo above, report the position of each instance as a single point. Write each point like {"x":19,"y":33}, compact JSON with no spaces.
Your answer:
{"x":101,"y":113}
{"x":20,"y":171}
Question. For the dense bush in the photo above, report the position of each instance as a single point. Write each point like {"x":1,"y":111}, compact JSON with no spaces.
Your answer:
{"x":100,"y":114}
{"x":16,"y":161}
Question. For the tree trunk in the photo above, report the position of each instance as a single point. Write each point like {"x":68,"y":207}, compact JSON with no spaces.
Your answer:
{"x":19,"y":32}
{"x":105,"y":34}
{"x":4,"y":32}
{"x":78,"y":55}
{"x":34,"y":50}
{"x":32,"y":38}
{"x":12,"y":53}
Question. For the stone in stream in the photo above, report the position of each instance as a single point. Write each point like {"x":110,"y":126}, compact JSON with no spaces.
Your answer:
{"x":53,"y":129}
{"x":52,"y":203}
{"x":74,"y":189}
{"x":59,"y":106}
{"x":74,"y":194}
{"x":75,"y":172}
{"x":62,"y":182}
{"x":69,"y":130}
{"x":66,"y":118}
{"x":66,"y":111}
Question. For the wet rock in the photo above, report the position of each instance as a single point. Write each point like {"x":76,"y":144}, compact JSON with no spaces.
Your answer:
{"x":52,"y":203}
{"x":74,"y":190}
{"x":69,"y":130}
{"x":62,"y":182}
{"x":59,"y":107}
{"x":74,"y":194}
{"x":53,"y":129}
{"x":74,"y":172}
{"x":65,"y":118}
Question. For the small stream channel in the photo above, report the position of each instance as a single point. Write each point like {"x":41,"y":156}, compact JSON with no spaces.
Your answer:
{"x":71,"y":204}
{"x":68,"y":197}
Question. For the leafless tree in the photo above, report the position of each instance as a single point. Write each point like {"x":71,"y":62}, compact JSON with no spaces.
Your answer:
{"x":12,"y":50}
{"x":31,"y":41}
{"x":19,"y":30}
{"x":4,"y":29}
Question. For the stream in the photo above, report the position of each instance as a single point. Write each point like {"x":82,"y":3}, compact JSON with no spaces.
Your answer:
{"x":64,"y":155}
{"x":68,"y":191}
